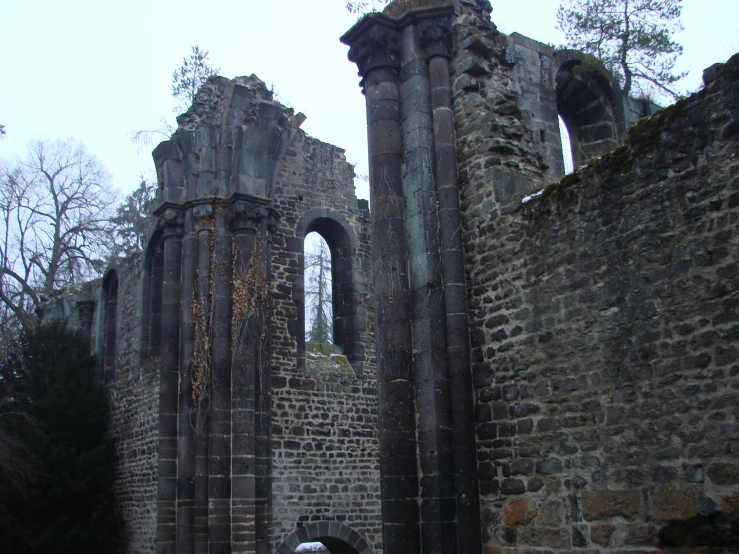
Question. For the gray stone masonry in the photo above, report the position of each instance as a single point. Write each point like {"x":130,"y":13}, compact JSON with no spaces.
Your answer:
{"x":603,"y":317}
{"x":553,"y":375}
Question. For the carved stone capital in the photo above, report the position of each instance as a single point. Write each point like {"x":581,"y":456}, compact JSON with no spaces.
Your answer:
{"x":436,"y":36}
{"x":248,"y":215}
{"x":171,"y":221}
{"x":202,"y":217}
{"x":375,"y":44}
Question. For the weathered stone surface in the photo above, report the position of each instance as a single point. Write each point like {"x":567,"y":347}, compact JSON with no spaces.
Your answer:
{"x":675,"y":503}
{"x":601,"y":534}
{"x":724,"y":474}
{"x":607,"y":504}
{"x":512,"y":486}
{"x":519,"y":511}
{"x":730,"y":507}
{"x":551,"y":514}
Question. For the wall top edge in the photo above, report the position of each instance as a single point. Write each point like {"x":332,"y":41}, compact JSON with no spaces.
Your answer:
{"x":415,"y":16}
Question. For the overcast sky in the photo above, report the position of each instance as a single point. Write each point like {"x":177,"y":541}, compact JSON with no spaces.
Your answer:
{"x":96,"y":70}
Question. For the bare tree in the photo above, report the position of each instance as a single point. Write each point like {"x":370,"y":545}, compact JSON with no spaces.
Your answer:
{"x":318,"y":298}
{"x":55,"y":229}
{"x":144,"y":138}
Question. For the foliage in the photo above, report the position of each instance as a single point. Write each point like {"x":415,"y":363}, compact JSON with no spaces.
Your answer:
{"x":51,"y":404}
{"x":363,"y":7}
{"x":318,"y":297}
{"x":633,"y":39}
{"x":131,"y":219}
{"x":188,"y":78}
{"x":55,"y":229}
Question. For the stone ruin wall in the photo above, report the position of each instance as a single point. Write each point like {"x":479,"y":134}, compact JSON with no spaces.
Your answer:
{"x":134,"y":394}
{"x":603,"y":328}
{"x":325,"y":465}
{"x":324,"y":407}
{"x":603,"y":318}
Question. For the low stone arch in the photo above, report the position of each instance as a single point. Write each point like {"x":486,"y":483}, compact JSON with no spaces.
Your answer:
{"x":590,"y":102}
{"x":336,"y":537}
{"x":347,"y":283}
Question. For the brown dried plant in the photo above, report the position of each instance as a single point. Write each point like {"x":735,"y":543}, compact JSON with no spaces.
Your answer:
{"x":250,"y":295}
{"x":202,"y":315}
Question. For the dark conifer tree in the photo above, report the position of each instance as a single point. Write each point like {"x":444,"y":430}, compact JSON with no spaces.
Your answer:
{"x":56,"y":488}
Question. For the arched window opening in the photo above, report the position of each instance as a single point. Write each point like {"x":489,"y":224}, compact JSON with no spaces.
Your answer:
{"x":110,"y":291}
{"x":587,"y":106}
{"x":151,"y":324}
{"x":564,"y":135}
{"x":318,"y":284}
{"x":344,"y":314}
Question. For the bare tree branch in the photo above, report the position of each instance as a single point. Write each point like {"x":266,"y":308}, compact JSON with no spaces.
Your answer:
{"x":55,"y":210}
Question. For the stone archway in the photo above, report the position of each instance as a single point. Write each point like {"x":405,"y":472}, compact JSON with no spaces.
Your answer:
{"x":349,"y":317}
{"x":589,"y":102}
{"x":336,"y":537}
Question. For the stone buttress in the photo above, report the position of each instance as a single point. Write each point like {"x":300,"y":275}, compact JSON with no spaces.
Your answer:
{"x":209,"y":317}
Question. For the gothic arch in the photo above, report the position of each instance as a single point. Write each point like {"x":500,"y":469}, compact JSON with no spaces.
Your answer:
{"x":590,"y":102}
{"x":151,"y":308}
{"x":349,"y":315}
{"x":337,"y":537}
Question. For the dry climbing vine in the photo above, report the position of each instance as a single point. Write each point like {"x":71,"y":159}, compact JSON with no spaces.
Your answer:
{"x":250,"y":295}
{"x":202,"y":314}
{"x":250,"y":301}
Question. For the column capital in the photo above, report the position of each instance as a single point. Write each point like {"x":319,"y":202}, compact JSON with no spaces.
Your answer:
{"x":171,"y":220}
{"x":202,"y":217}
{"x":374,"y":43}
{"x":435,"y":35}
{"x":249,"y":214}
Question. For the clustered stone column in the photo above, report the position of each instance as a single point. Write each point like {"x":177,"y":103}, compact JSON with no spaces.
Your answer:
{"x":167,"y":496}
{"x":214,"y":425}
{"x":426,"y":405}
{"x":251,"y":222}
{"x":378,"y":55}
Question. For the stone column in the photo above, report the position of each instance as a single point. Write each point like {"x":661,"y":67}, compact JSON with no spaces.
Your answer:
{"x":186,"y":439}
{"x":249,"y":495}
{"x":219,"y":431}
{"x":169,"y":381}
{"x":431,"y":380}
{"x":376,"y":50}
{"x":436,"y":36}
{"x":203,"y":226}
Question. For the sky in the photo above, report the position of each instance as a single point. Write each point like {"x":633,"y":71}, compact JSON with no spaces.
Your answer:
{"x":96,"y":70}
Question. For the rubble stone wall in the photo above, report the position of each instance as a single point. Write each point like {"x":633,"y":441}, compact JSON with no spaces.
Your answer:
{"x":604,"y":329}
{"x":134,"y":395}
{"x":324,"y":405}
